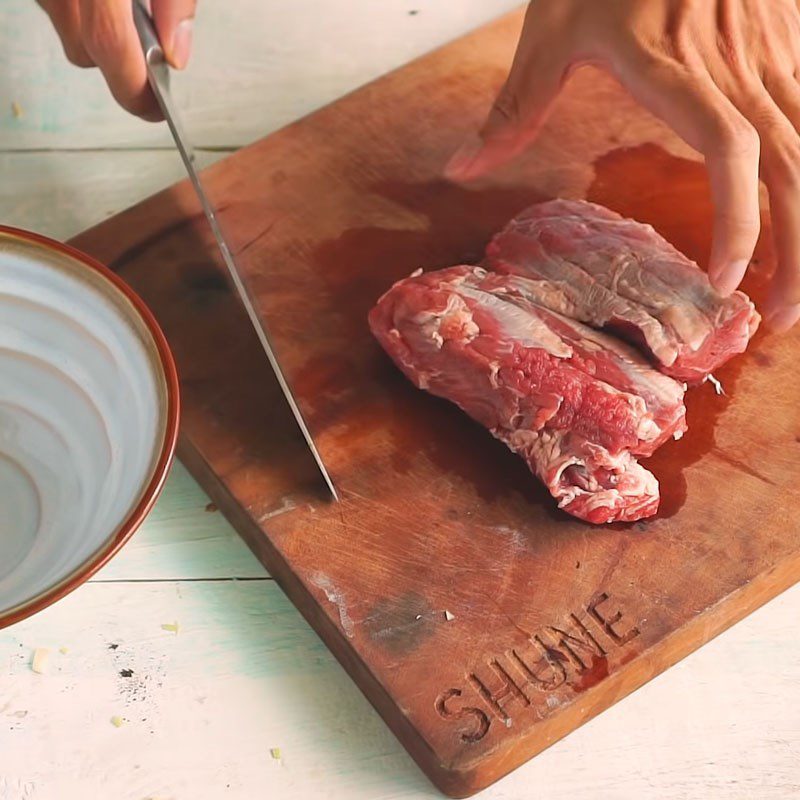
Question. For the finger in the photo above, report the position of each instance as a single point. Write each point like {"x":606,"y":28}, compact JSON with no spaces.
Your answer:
{"x":782,"y":309}
{"x":110,"y":38}
{"x":705,"y":118}
{"x":174,"y":21}
{"x":521,"y":107}
{"x":66,"y":18}
{"x":774,"y":109}
{"x":784,"y":91}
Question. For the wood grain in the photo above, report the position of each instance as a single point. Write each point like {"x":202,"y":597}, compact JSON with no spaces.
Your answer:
{"x":185,"y":537}
{"x":553,"y":621}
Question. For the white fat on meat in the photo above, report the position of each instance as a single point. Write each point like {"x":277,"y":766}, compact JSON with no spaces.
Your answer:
{"x":626,"y":277}
{"x":666,"y":389}
{"x":554,"y":452}
{"x":523,"y":325}
{"x":462,"y":334}
{"x":594,"y":304}
{"x":517,"y":324}
{"x":652,"y":291}
{"x":456,"y":314}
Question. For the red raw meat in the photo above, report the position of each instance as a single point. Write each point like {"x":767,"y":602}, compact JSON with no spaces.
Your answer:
{"x":620,"y":275}
{"x":576,"y":404}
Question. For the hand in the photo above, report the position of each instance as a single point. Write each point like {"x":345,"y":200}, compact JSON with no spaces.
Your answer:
{"x":724,"y":75}
{"x":101,"y":33}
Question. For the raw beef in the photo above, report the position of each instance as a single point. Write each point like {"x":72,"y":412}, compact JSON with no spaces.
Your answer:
{"x":620,"y":275}
{"x":578,"y":405}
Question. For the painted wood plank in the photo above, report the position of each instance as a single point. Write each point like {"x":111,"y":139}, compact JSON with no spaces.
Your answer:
{"x":203,"y":708}
{"x":62,"y":193}
{"x":255,"y":68}
{"x":184,"y":537}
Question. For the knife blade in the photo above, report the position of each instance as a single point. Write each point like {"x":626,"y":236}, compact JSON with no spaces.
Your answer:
{"x":158,"y":78}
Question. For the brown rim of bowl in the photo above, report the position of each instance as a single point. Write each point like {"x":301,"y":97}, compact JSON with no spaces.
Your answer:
{"x":151,"y":492}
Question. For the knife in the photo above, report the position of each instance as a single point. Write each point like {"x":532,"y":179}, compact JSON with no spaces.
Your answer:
{"x":158,"y":77}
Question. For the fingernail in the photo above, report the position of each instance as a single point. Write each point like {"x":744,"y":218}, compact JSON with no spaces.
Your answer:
{"x":458,"y":167}
{"x":182,"y":43}
{"x":725,"y":279}
{"x":783,"y":318}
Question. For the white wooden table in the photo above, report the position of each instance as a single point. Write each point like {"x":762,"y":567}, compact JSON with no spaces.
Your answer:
{"x":242,"y":700}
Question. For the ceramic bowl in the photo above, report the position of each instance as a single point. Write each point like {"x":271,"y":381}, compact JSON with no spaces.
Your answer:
{"x":88,"y":418}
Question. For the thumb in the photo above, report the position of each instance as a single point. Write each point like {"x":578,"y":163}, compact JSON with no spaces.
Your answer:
{"x":174,"y":21}
{"x":520,"y":109}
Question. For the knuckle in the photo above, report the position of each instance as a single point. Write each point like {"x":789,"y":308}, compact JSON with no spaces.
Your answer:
{"x":648,"y":57}
{"x":140,"y":105}
{"x":507,"y":104}
{"x":746,"y":228}
{"x":778,"y":78}
{"x":739,"y":139}
{"x":763,"y":115}
{"x":77,"y":55}
{"x":782,"y":160}
{"x":130,"y":103}
{"x":101,"y":34}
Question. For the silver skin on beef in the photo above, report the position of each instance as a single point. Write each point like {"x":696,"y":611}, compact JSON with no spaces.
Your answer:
{"x":620,"y":275}
{"x":578,"y":405}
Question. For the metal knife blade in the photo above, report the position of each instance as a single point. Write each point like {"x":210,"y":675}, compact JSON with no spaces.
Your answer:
{"x":158,"y":77}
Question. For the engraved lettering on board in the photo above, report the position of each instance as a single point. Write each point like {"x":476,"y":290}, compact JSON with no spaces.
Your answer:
{"x":526,"y":679}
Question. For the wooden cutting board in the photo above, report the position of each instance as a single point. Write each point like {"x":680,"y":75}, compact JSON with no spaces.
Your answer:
{"x":482,"y":623}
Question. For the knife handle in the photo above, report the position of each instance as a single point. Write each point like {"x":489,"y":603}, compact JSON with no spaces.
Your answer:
{"x":151,"y":46}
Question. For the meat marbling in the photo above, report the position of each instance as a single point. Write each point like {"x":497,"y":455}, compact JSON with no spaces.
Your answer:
{"x":576,"y":404}
{"x":510,"y":347}
{"x":621,"y":275}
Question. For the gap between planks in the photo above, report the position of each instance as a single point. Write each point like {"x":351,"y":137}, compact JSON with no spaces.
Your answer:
{"x":183,"y":580}
{"x":117,"y":149}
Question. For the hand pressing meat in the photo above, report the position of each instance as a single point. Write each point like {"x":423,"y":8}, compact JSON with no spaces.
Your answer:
{"x":723,"y":75}
{"x":517,"y":348}
{"x":621,"y":276}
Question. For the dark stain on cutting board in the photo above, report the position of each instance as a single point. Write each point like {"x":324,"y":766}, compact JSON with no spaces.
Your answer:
{"x":400,"y":624}
{"x":453,"y":225}
{"x":672,"y":194}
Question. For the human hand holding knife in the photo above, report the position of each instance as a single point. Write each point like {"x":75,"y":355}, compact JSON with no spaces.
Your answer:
{"x":158,"y":78}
